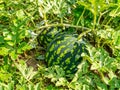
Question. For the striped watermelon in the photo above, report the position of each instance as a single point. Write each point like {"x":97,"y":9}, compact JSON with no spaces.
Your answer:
{"x":48,"y":34}
{"x":65,"y":50}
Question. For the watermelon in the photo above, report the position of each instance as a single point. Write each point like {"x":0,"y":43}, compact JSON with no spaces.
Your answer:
{"x":47,"y":35}
{"x":65,"y":50}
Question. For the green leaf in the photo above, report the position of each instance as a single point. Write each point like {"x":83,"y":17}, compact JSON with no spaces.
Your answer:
{"x":37,"y":86}
{"x":10,"y":86}
{"x":61,"y":82}
{"x":5,"y":76}
{"x":114,"y":83}
{"x":23,"y":46}
{"x":27,"y":72}
{"x":31,"y":87}
{"x":20,"y":14}
{"x":115,"y":12}
{"x":13,"y":55}
{"x":1,"y":39}
{"x":4,"y":51}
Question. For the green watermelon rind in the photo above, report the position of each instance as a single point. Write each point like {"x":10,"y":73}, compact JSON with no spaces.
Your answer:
{"x":69,"y":57}
{"x":47,"y":35}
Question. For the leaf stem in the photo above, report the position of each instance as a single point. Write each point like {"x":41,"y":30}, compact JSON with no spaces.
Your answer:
{"x":84,"y":33}
{"x":62,"y":25}
{"x":81,"y":16}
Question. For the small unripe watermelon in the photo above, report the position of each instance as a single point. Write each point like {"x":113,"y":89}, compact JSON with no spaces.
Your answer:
{"x":65,"y":50}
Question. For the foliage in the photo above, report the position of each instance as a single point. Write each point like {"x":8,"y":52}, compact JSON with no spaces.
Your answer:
{"x":21,"y":22}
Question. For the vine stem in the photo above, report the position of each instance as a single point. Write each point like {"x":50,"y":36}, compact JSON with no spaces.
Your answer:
{"x":84,"y":33}
{"x":59,"y":25}
{"x":81,"y":16}
{"x":62,"y":24}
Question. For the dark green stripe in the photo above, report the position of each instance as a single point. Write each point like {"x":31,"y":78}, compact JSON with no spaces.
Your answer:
{"x":69,"y":46}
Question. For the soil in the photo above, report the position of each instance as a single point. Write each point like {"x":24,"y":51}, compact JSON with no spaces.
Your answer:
{"x":30,"y":58}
